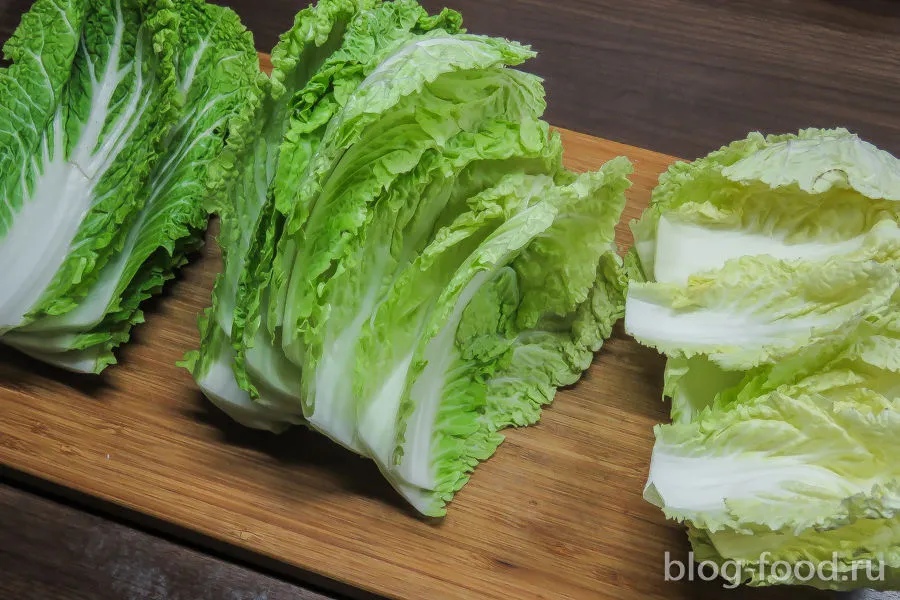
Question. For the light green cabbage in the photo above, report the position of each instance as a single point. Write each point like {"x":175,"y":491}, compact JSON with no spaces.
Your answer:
{"x":757,"y":309}
{"x":805,"y":472}
{"x":768,"y":274}
{"x":417,"y":271}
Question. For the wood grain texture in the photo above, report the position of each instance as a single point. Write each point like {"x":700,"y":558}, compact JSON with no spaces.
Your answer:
{"x":52,"y":551}
{"x":557,"y":513}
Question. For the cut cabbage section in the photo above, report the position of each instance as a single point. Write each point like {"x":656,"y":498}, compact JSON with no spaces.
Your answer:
{"x":473,"y":371}
{"x":416,"y":270}
{"x":757,"y":309}
{"x":768,"y":274}
{"x":92,"y":155}
{"x":144,"y":113}
{"x":810,"y":196}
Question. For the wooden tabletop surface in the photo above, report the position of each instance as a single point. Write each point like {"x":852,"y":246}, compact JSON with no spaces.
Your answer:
{"x":677,"y":76}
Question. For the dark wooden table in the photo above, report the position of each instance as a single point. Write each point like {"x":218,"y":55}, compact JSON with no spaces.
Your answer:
{"x":676,"y":76}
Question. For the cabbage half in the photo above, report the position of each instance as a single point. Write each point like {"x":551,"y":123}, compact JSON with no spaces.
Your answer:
{"x":412,"y":270}
{"x":106,"y":172}
{"x":767,"y":273}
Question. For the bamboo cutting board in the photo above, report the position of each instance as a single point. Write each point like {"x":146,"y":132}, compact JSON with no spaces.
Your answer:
{"x":556,"y":513}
